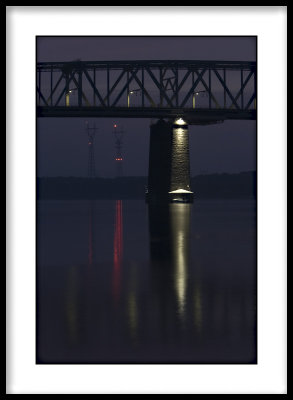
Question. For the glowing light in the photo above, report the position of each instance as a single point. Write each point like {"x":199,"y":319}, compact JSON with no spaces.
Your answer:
{"x":180,"y":121}
{"x":115,"y":126}
{"x":180,"y":191}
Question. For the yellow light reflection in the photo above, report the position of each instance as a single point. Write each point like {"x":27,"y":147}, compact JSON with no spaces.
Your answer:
{"x":180,"y":273}
{"x":71,"y":303}
{"x":180,"y":219}
{"x":180,"y":134}
{"x":132,"y":314}
{"x":198,"y":309}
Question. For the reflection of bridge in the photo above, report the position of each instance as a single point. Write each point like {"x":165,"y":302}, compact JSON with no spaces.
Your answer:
{"x":199,"y":91}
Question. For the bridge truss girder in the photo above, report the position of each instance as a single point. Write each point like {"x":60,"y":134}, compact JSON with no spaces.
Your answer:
{"x":108,"y":87}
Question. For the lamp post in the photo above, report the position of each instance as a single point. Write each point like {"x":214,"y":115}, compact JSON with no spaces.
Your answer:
{"x":196,"y":94}
{"x":193,"y":99}
{"x":67,"y":96}
{"x":128,"y":97}
{"x":134,"y":91}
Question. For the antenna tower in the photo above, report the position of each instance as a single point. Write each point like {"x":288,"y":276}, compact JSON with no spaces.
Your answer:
{"x":91,"y":131}
{"x":118,"y":134}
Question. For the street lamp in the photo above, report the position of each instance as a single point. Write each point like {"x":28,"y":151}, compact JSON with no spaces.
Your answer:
{"x":134,"y":91}
{"x":196,"y":94}
{"x":128,"y":97}
{"x":67,"y":94}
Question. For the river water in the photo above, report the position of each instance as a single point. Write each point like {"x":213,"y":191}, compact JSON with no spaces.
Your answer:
{"x":119,"y":281}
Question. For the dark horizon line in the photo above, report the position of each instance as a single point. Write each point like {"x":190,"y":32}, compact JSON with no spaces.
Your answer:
{"x":144,"y":176}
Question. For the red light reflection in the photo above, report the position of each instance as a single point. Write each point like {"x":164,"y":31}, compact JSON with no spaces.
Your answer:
{"x":118,"y":250}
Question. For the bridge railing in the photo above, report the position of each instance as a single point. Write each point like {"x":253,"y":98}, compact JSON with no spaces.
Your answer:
{"x":147,"y":84}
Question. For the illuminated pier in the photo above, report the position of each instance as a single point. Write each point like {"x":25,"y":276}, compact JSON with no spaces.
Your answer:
{"x":169,"y":166}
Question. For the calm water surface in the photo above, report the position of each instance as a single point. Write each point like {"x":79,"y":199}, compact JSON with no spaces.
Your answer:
{"x":122,"y":282}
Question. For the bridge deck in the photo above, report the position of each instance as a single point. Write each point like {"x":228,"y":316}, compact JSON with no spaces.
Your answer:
{"x":192,"y":116}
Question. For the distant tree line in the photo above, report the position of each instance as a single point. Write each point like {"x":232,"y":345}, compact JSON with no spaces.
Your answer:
{"x":242,"y":185}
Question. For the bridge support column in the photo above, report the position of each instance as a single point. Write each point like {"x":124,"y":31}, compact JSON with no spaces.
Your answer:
{"x":169,"y":169}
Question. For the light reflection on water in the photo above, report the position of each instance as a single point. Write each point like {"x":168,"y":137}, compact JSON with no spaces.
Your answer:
{"x":180,"y":221}
{"x":117,"y":250}
{"x":138,"y":283}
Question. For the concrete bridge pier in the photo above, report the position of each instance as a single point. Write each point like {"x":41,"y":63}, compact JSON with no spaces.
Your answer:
{"x":169,"y":166}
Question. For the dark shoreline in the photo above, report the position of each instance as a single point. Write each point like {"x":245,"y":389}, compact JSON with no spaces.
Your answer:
{"x":241,"y":185}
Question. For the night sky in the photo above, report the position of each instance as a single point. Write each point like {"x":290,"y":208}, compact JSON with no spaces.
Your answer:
{"x":62,"y":148}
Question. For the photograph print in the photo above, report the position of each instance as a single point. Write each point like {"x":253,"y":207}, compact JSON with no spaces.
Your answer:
{"x":146,"y":199}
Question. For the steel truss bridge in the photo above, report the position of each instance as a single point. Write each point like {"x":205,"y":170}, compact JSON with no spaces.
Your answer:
{"x":200,"y":91}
